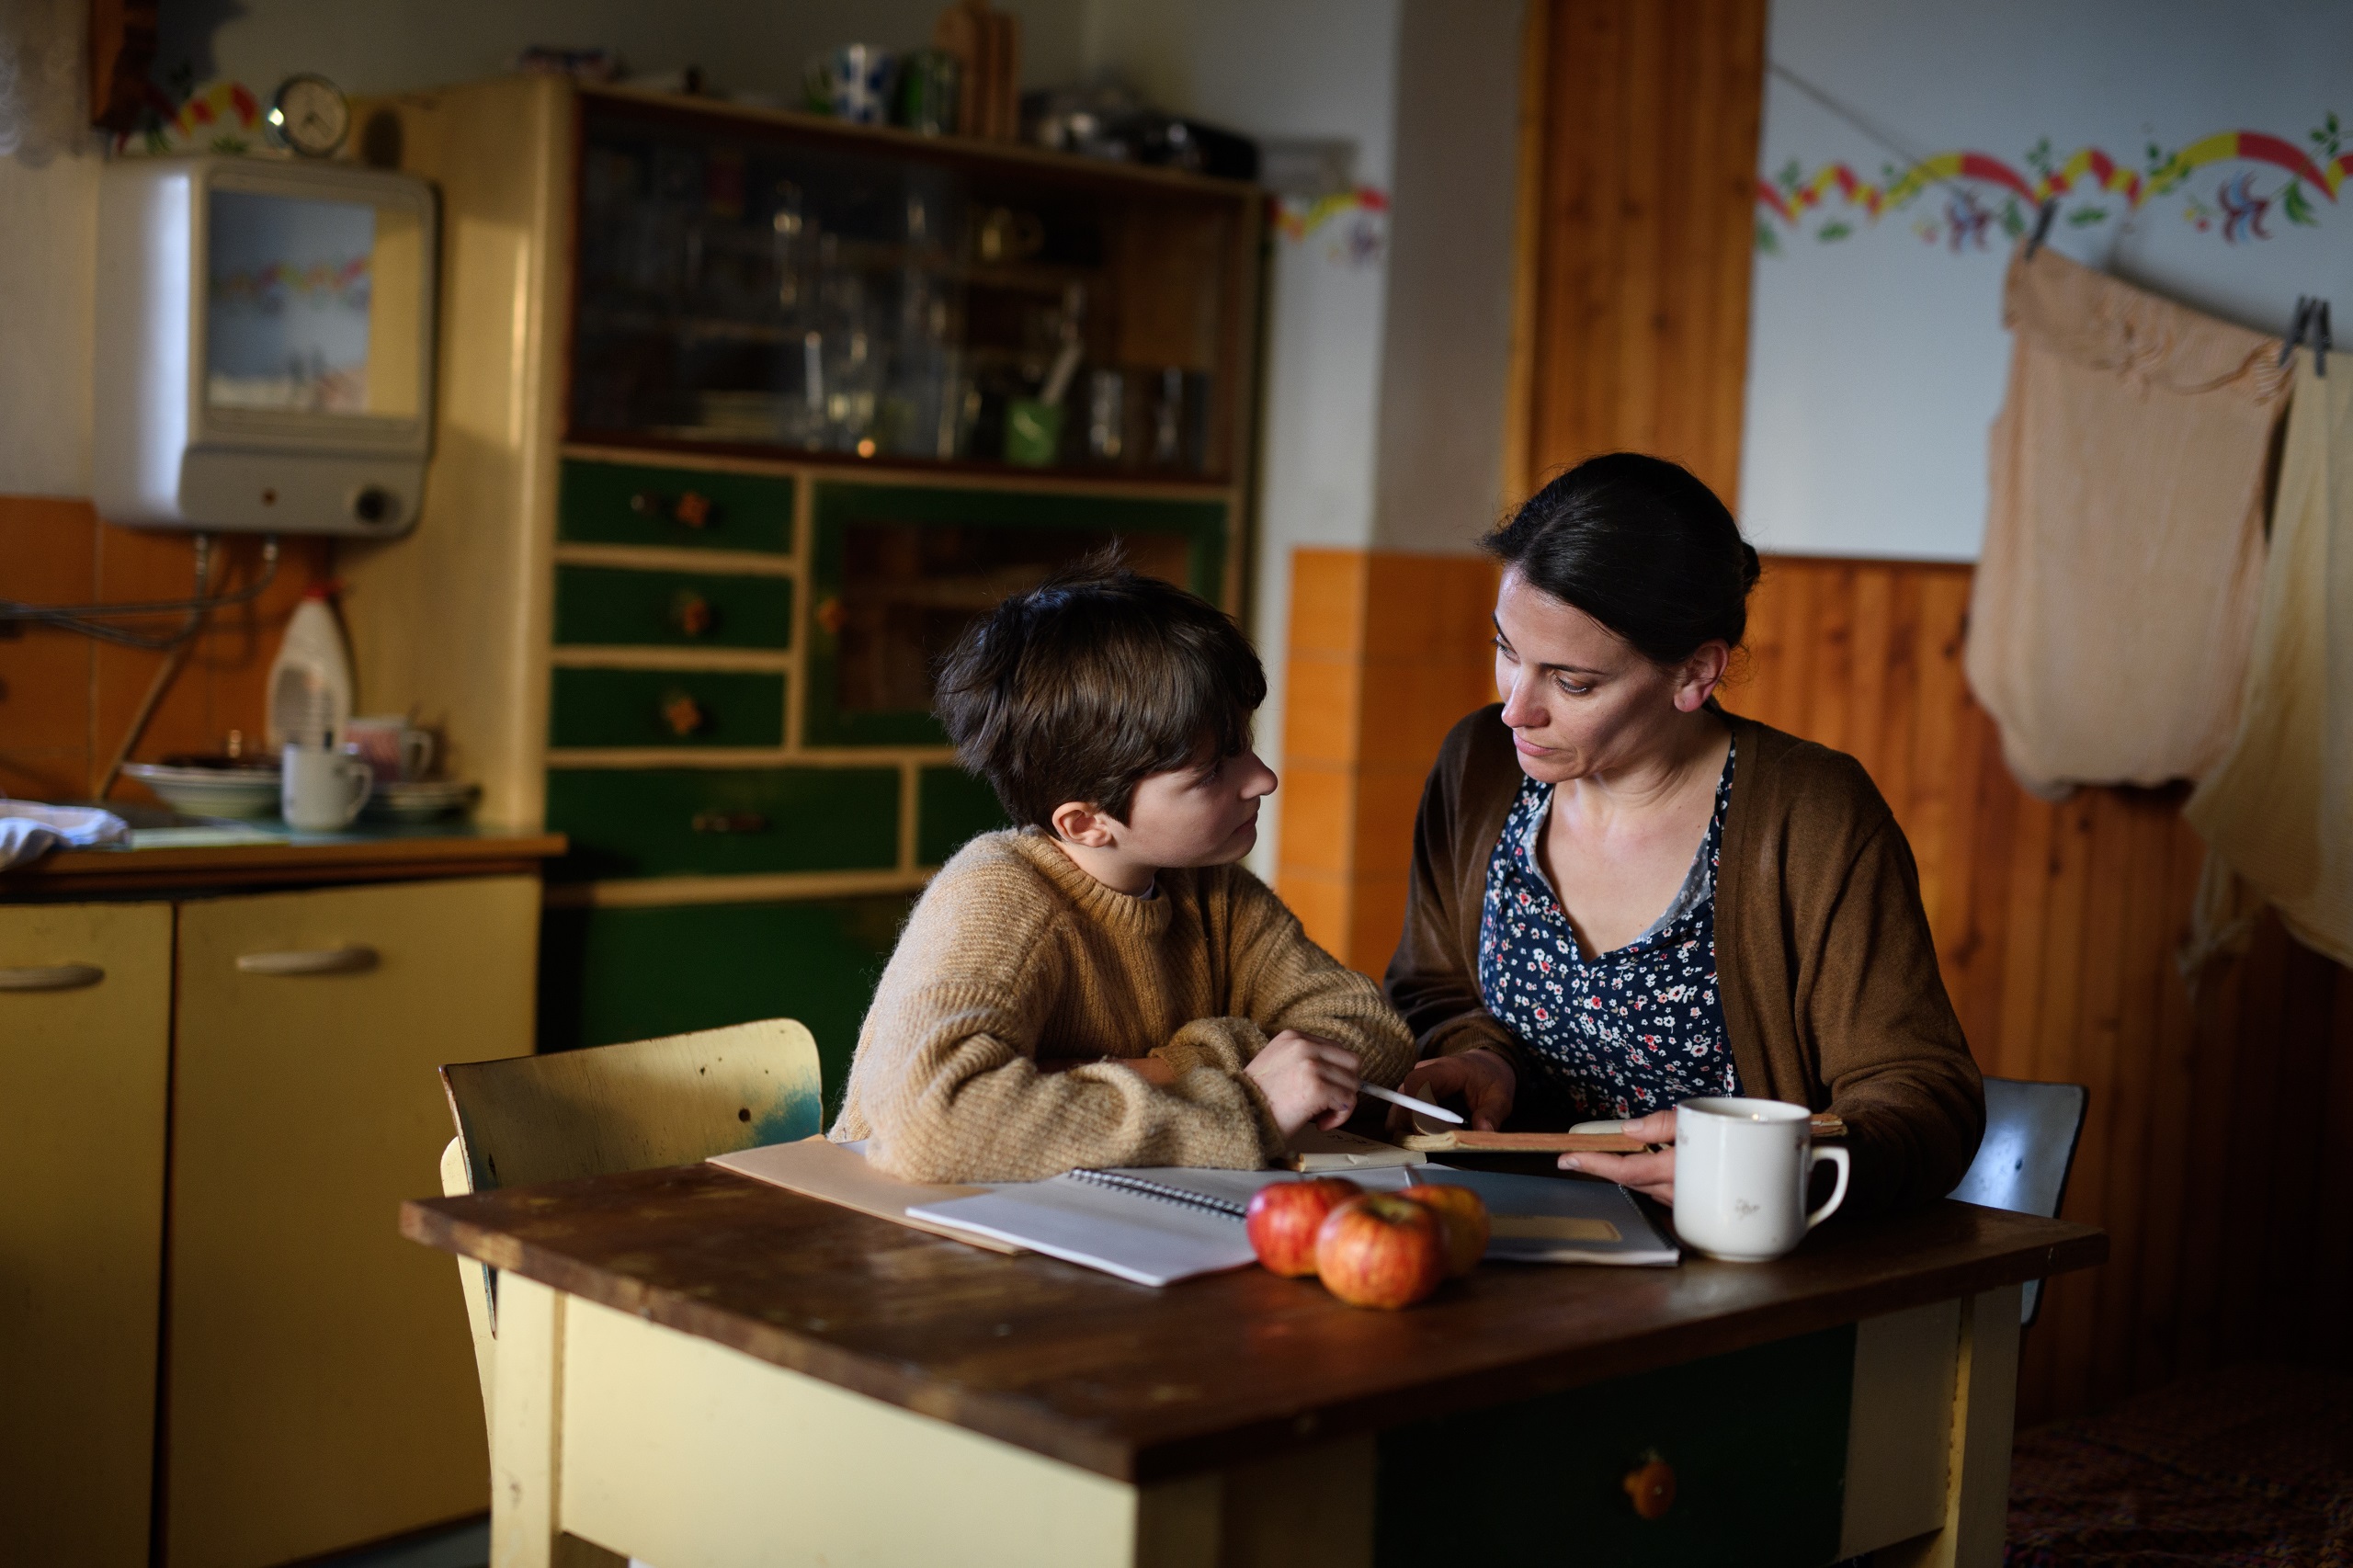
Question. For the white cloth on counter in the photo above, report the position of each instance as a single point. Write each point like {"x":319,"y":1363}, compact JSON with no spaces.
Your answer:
{"x":2115,"y":603}
{"x":2277,"y":812}
{"x":29,"y":830}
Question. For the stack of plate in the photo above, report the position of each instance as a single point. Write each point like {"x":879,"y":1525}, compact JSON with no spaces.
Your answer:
{"x":420,"y":800}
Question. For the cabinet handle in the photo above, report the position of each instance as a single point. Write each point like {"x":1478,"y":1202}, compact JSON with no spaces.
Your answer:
{"x":729,"y":822}
{"x":690,"y":510}
{"x":1651,"y":1487}
{"x":349,"y":960}
{"x":51,"y":977}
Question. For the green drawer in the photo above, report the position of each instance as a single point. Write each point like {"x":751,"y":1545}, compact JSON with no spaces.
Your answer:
{"x":608,"y":976}
{"x":1756,"y":1439}
{"x":721,"y":821}
{"x":685,"y":709}
{"x":618,"y":606}
{"x":602,"y":503}
{"x":951,"y":805}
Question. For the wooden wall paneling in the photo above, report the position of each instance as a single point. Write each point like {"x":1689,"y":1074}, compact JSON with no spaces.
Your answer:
{"x":2218,"y":1149}
{"x":1641,"y":259}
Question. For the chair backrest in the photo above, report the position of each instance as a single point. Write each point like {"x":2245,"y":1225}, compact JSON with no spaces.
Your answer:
{"x":634,"y":1107}
{"x":618,"y":1107}
{"x":2030,"y":1144}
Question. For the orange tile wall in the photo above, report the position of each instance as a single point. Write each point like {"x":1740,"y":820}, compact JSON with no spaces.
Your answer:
{"x":1387,"y":651}
{"x":66,"y":702}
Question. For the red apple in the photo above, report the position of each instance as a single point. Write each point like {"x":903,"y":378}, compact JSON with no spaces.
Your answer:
{"x":1462,"y":1214}
{"x":1285,"y":1215}
{"x":1381,"y":1250}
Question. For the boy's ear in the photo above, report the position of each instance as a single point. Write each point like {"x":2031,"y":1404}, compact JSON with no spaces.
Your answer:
{"x":1090,"y":827}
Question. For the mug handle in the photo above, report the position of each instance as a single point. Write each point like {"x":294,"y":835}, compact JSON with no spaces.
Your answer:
{"x":362,"y":779}
{"x":1837,"y":1194}
{"x":416,"y":752}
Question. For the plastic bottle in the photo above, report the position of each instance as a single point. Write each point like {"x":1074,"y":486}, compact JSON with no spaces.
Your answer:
{"x":310,"y":681}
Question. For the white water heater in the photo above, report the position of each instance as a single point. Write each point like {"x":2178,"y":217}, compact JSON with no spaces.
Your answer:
{"x":265,"y":347}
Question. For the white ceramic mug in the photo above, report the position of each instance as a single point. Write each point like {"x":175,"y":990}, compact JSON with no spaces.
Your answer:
{"x":1741,"y":1168}
{"x":320,"y":791}
{"x":396,"y":750}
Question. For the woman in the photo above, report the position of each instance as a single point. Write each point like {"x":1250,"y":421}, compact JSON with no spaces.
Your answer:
{"x":1623,"y":897}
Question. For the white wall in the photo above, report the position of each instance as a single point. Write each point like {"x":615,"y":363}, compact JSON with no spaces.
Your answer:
{"x":1388,"y":333}
{"x":1877,"y":360}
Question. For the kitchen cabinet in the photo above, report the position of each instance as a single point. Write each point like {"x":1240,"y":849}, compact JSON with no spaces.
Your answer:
{"x":319,"y":1385}
{"x":86,"y":1016}
{"x":745,"y":415}
{"x":211,"y":1334}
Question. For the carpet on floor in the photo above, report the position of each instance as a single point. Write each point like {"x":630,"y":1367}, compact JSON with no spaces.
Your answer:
{"x":2241,"y":1466}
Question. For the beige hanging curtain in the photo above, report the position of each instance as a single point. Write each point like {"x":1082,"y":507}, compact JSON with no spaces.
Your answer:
{"x":2278,"y":810}
{"x":2113,"y":605}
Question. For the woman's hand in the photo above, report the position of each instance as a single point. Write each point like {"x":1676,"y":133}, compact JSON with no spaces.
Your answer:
{"x":1653,"y":1176}
{"x":1306,"y":1079}
{"x":1483,"y":1080}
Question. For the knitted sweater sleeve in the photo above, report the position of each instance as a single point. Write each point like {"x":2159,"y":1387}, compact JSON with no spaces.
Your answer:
{"x":946,"y":1085}
{"x":1281,"y":980}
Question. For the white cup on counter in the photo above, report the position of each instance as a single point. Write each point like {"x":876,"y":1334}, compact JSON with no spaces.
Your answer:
{"x":320,"y":789}
{"x":1741,"y":1170}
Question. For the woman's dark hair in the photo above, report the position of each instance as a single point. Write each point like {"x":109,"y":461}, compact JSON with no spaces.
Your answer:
{"x":1641,"y":546}
{"x":1091,"y":682}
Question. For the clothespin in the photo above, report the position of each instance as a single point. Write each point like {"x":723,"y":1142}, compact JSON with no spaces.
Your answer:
{"x":2312,"y":326}
{"x":2042,"y":225}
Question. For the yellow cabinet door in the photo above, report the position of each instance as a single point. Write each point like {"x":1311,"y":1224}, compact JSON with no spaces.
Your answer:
{"x":86,"y":1017}
{"x":320,"y":1387}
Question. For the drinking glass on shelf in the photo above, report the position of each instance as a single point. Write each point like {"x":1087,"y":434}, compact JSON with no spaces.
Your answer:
{"x":1107,"y":403}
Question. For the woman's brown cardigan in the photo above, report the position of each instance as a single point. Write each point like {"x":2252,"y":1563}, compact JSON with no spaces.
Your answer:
{"x":1831,"y":993}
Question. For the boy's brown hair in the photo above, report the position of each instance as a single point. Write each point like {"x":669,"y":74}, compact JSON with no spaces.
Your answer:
{"x":1092,"y":681}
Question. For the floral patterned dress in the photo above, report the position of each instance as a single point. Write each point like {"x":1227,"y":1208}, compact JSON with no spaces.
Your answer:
{"x":1624,"y":1033}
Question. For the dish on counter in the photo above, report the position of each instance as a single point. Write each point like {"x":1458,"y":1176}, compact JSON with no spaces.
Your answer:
{"x":244,"y":792}
{"x":420,"y":800}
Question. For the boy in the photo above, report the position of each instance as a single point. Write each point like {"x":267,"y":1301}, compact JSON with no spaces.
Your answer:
{"x":1104,"y":984}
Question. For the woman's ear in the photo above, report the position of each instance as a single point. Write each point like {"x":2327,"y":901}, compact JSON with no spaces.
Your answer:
{"x":1699,"y":675}
{"x":1090,"y":827}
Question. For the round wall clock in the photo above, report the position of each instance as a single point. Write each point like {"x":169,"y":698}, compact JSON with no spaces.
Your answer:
{"x":310,"y":115}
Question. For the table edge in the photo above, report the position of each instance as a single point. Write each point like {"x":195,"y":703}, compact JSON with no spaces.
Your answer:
{"x":1138,"y":1456}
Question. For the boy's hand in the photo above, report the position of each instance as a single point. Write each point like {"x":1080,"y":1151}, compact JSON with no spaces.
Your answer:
{"x":1306,"y":1079}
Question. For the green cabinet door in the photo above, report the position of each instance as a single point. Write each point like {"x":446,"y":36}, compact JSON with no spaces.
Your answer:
{"x":898,"y":569}
{"x":1757,"y":1441}
{"x":609,"y":975}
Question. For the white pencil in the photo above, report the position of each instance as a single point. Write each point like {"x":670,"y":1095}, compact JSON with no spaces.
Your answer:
{"x":1410,"y":1103}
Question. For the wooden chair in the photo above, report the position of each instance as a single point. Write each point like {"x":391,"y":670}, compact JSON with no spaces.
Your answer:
{"x":2030,"y":1145}
{"x":618,"y":1107}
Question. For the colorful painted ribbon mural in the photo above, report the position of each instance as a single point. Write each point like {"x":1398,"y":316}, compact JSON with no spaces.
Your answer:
{"x":2239,"y":208}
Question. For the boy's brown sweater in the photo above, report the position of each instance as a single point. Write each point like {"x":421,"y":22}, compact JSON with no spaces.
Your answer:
{"x":1020,"y":981}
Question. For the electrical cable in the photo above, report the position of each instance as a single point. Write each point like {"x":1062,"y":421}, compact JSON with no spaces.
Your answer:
{"x":88,"y":620}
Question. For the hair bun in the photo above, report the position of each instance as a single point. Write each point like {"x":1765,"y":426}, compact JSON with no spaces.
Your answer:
{"x":1750,"y":567}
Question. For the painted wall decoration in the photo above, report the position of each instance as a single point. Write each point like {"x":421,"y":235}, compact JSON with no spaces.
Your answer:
{"x":1353,"y":224}
{"x":1985,"y":198}
{"x":2198,"y":151}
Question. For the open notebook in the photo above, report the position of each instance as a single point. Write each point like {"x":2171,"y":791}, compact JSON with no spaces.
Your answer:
{"x":1156,"y":1226}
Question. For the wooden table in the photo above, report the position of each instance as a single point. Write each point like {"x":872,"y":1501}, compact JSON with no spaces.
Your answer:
{"x":693,"y":1368}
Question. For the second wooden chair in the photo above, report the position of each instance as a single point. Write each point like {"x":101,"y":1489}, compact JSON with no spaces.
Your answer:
{"x":619,"y":1107}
